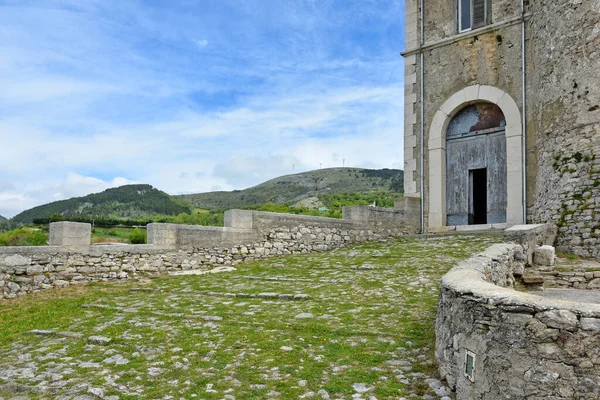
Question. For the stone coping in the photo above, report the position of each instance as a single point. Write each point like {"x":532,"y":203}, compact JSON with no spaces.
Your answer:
{"x":529,"y":227}
{"x":302,"y":218}
{"x":467,"y":278}
{"x":203,"y":228}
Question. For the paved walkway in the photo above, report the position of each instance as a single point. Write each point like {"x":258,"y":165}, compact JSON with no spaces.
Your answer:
{"x":355,"y":323}
{"x":578,"y":295}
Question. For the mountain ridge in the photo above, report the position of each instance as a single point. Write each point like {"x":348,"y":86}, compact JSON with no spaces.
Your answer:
{"x":293,"y":188}
{"x":123,"y":202}
{"x":143,"y":201}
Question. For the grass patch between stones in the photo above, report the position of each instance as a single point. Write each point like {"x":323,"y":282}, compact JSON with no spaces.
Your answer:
{"x":364,"y":324}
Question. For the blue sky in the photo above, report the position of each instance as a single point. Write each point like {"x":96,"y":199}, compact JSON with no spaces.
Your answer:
{"x":193,"y":95}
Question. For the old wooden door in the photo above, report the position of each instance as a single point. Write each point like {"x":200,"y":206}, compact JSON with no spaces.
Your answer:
{"x":476,"y":166}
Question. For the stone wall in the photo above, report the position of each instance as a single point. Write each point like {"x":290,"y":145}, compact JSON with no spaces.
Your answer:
{"x":589,"y":280}
{"x":524,"y":346}
{"x":250,"y":236}
{"x":564,"y":92}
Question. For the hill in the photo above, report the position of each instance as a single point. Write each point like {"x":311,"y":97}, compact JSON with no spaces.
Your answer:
{"x":125,"y":202}
{"x":2,"y":219}
{"x":297,"y":187}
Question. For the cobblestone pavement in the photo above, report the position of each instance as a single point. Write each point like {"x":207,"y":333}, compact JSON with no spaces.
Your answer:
{"x":355,"y":323}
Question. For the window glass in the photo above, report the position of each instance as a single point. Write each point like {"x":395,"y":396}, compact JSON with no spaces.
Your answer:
{"x":464,"y":10}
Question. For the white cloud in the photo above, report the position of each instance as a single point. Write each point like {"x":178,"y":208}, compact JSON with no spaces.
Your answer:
{"x":14,"y":200}
{"x":196,"y":152}
{"x":93,"y":98}
{"x":202,"y":43}
{"x":47,"y":88}
{"x":244,"y":170}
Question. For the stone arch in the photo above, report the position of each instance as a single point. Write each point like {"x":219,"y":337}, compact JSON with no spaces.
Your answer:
{"x":437,"y":151}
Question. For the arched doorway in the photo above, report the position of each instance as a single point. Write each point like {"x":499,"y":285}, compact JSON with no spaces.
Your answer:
{"x":435,"y":190}
{"x":476,"y":166}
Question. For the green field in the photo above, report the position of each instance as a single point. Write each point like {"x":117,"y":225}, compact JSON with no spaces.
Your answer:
{"x":100,"y":235}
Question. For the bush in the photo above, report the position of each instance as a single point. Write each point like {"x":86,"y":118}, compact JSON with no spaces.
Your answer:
{"x":24,"y":237}
{"x":138,"y":236}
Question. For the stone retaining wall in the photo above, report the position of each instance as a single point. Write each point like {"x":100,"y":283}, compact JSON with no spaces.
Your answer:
{"x":524,"y":346}
{"x":250,"y":236}
{"x":589,"y":280}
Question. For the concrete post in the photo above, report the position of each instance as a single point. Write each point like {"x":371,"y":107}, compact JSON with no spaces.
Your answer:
{"x":70,"y":234}
{"x":241,"y":219}
{"x":162,"y":234}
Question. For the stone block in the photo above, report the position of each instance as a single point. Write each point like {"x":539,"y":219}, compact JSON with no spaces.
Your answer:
{"x":544,"y":255}
{"x":162,"y":234}
{"x":70,"y":234}
{"x":594,"y":284}
{"x":490,"y":93}
{"x":241,"y":219}
{"x":590,"y":324}
{"x":453,"y":103}
{"x":437,"y":125}
{"x":559,"y":319}
{"x":531,"y":236}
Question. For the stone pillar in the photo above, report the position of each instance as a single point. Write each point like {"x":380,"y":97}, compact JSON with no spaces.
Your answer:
{"x":411,"y":172}
{"x":162,"y":234}
{"x":241,"y":219}
{"x":70,"y":234}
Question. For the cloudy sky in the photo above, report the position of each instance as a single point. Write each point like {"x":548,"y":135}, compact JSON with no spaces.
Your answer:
{"x":193,"y":95}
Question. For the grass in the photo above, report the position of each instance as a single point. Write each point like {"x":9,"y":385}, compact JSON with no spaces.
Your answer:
{"x":567,"y":256}
{"x":101,"y":235}
{"x":373,"y":321}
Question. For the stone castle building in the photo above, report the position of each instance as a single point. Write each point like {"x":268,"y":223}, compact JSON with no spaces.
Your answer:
{"x":502,"y":115}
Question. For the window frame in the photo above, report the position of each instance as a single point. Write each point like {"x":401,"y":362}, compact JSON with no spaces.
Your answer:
{"x":459,"y":16}
{"x":487,"y":15}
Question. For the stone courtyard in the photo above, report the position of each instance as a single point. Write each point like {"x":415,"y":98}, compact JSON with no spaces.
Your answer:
{"x":354,"y":323}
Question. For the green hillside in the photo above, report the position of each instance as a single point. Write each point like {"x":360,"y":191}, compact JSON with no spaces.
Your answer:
{"x":4,"y":223}
{"x":309,"y":190}
{"x":125,"y":202}
{"x":297,"y":187}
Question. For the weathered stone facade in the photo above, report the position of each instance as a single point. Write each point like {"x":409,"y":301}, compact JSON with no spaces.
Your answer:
{"x":564,"y":90}
{"x":562,"y":131}
{"x":174,"y":248}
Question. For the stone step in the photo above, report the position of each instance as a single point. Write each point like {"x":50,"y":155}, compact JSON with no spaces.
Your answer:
{"x":533,"y":282}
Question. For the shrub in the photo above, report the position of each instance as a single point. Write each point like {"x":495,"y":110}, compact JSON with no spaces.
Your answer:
{"x":138,"y":236}
{"x":24,"y":237}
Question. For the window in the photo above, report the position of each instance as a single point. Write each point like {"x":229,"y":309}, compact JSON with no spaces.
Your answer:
{"x":473,"y":14}
{"x":470,"y":365}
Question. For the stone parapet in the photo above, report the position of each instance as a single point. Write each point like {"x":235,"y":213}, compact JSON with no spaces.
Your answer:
{"x":174,"y":235}
{"x":250,"y":236}
{"x":520,"y":346}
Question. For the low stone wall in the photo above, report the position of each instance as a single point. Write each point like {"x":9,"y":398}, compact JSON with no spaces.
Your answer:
{"x":250,"y":235}
{"x":522,"y":346}
{"x":173,"y":235}
{"x":589,"y":280}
